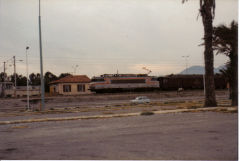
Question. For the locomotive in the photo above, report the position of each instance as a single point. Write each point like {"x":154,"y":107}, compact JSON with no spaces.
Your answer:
{"x":123,"y":82}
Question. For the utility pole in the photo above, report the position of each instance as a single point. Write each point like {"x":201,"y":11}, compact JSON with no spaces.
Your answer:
{"x":41,"y":61}
{"x":4,"y":70}
{"x":27,"y":79}
{"x":204,"y":88}
{"x":4,"y":73}
{"x":15,"y":76}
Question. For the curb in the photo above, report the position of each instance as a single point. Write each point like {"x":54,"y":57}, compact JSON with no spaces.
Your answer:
{"x":112,"y":115}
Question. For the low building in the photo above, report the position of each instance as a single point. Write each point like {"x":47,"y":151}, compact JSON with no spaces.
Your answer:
{"x":70,"y":85}
{"x":7,"y":89}
{"x":5,"y":86}
{"x":21,"y":91}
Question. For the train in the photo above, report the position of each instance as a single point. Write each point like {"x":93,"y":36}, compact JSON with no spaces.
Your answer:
{"x":123,"y":83}
{"x":174,"y":82}
{"x":110,"y":83}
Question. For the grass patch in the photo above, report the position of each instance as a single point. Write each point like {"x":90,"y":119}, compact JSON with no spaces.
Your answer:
{"x":174,"y":102}
{"x":108,"y":113}
{"x":180,"y":107}
{"x":166,"y":103}
{"x":232,"y":111}
{"x":192,"y":107}
{"x":226,"y":110}
{"x":194,"y":110}
{"x":222,"y":110}
{"x":147,"y":113}
{"x":10,"y":149}
{"x":19,"y":127}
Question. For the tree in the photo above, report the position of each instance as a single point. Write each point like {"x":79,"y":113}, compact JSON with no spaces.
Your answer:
{"x":35,"y":79}
{"x":48,"y":77}
{"x":2,"y":75}
{"x":225,"y":41}
{"x":207,"y":11}
{"x":62,"y":75}
{"x":21,"y":80}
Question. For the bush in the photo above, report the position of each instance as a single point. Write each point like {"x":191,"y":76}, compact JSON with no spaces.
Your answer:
{"x":9,"y":95}
{"x":147,"y":113}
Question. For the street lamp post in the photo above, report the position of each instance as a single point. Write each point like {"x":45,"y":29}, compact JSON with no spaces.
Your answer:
{"x":15,"y":75}
{"x":41,"y":61}
{"x":27,"y":79}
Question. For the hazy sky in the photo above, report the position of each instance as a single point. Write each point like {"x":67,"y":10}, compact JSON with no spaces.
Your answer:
{"x":103,"y":36}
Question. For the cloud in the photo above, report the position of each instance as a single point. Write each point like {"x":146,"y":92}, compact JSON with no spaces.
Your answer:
{"x":157,"y":69}
{"x":103,"y":36}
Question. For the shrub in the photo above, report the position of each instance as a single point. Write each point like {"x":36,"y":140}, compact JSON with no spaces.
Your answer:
{"x":147,"y":113}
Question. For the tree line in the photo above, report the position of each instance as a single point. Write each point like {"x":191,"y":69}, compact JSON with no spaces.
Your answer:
{"x":34,"y":79}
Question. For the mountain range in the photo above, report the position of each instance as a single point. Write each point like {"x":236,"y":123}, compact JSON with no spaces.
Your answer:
{"x":199,"y":70}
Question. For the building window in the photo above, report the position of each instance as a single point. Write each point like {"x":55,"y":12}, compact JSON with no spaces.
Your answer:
{"x":66,"y":88}
{"x":54,"y":88}
{"x":81,"y":87}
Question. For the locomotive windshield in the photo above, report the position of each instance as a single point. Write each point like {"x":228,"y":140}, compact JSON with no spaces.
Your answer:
{"x":97,"y":80}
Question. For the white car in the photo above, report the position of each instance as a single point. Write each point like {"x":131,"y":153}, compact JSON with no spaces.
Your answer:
{"x":141,"y":99}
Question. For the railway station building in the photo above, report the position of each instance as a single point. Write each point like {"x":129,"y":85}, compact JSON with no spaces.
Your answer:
{"x":70,"y":85}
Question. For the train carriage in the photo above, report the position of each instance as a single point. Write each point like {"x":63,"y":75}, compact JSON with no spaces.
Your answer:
{"x":174,"y":82}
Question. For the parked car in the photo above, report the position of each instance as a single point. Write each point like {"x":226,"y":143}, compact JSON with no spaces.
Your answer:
{"x":141,"y":99}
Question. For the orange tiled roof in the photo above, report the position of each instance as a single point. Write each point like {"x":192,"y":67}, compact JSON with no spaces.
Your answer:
{"x":73,"y":79}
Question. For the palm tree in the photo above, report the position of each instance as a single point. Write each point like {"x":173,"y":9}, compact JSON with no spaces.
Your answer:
{"x":225,"y":41}
{"x":207,"y":11}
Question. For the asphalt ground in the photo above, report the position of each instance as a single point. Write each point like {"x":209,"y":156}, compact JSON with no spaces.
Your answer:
{"x":182,"y":136}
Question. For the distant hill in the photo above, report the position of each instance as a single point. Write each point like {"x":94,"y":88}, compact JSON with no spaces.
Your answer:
{"x":217,"y":70}
{"x":199,"y":70}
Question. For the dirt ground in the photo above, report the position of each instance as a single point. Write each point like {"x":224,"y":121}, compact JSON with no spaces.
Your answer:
{"x":104,"y":104}
{"x":98,"y":100}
